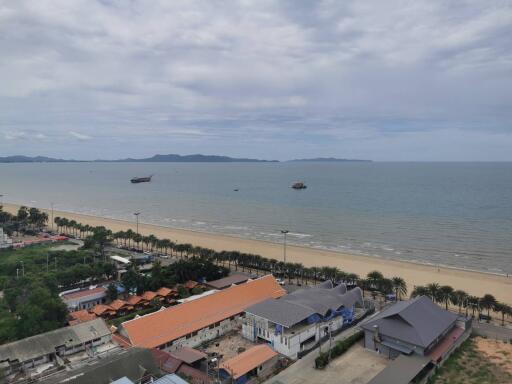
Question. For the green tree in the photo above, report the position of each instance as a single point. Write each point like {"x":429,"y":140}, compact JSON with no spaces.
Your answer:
{"x":111,"y":292}
{"x":399,"y":286}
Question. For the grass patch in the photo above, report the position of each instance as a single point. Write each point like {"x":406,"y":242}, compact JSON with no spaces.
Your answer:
{"x":470,"y":366}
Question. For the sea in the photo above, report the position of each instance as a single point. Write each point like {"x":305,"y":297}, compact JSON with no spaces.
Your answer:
{"x":446,"y":214}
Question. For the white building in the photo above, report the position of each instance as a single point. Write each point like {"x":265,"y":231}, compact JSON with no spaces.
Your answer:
{"x":77,"y":299}
{"x":5,"y":241}
{"x":296,"y":322}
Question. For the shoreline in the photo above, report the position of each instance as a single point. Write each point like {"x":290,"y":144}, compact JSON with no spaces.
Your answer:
{"x":473,"y":282}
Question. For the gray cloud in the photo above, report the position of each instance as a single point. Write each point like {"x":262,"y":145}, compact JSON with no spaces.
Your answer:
{"x":360,"y":79}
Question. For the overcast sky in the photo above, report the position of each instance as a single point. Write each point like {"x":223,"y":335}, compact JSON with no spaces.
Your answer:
{"x":383,"y":80}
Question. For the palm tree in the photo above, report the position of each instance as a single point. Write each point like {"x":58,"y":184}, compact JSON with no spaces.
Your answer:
{"x":374,"y":278}
{"x":433,"y":291}
{"x":504,"y":309}
{"x":459,"y":298}
{"x":399,"y":286}
{"x":473,"y":302}
{"x":445,"y":294}
{"x":420,"y":290}
{"x":488,"y":302}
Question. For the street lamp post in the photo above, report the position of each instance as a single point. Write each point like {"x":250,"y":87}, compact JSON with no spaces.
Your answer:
{"x":51,"y":204}
{"x":284,"y":232}
{"x":137,"y":218}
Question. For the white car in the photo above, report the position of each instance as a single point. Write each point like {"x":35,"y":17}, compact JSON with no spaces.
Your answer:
{"x":280,"y":281}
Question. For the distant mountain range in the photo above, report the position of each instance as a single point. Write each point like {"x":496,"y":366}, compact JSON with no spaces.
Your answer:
{"x":330,"y":160}
{"x":157,"y":158}
{"x":168,"y":159}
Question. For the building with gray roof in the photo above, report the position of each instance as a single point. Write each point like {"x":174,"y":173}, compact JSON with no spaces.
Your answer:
{"x":296,"y":322}
{"x":51,"y":347}
{"x":414,"y":326}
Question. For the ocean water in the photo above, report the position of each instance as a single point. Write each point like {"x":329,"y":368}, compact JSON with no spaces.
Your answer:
{"x":451,"y":214}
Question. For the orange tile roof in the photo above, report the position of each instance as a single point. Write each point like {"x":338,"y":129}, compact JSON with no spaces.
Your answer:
{"x":100,"y":309}
{"x":133,"y":299}
{"x":81,"y":317}
{"x":246,"y":361}
{"x":118,"y":304}
{"x":190,"y":284}
{"x":174,"y":322}
{"x":164,"y":291}
{"x":148,"y":295}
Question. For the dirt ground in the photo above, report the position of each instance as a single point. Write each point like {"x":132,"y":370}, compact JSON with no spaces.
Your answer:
{"x":228,"y":346}
{"x":479,"y":360}
{"x":356,"y":366}
{"x":499,"y":352}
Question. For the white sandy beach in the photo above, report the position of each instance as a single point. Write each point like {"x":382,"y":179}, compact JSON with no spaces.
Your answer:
{"x":474,"y":283}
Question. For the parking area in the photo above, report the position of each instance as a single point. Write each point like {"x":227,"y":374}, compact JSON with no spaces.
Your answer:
{"x":356,"y":366}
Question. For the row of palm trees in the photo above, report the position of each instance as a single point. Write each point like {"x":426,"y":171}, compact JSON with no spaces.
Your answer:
{"x":445,"y":294}
{"x":374,"y":282}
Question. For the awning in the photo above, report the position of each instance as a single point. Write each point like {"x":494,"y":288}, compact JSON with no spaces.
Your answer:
{"x":398,"y":347}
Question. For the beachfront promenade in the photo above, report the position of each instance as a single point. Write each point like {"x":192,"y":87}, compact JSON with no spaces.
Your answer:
{"x":474,"y":283}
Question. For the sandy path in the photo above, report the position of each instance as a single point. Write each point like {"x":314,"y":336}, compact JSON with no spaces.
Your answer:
{"x":474,"y":283}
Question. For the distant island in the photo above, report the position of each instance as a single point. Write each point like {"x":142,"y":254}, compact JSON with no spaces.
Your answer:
{"x":331,"y":160}
{"x":171,"y":158}
{"x":155,"y":159}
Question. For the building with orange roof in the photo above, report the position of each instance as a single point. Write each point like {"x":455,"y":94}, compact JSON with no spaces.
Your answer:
{"x":259,"y":361}
{"x":195,"y":322}
{"x":121,"y":307}
{"x":81,"y":317}
{"x":104,"y":311}
{"x":135,"y":301}
{"x":148,"y":296}
{"x":167,"y":295}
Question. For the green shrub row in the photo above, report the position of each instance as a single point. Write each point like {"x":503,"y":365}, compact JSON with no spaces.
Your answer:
{"x":339,"y":349}
{"x":115,"y":322}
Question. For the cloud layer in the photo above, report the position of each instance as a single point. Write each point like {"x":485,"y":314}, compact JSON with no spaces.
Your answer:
{"x":394,"y":80}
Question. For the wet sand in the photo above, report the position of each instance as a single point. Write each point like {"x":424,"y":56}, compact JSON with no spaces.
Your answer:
{"x":474,"y":283}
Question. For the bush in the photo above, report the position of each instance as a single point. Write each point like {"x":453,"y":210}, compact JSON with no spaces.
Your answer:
{"x":117,"y":321}
{"x":339,"y":349}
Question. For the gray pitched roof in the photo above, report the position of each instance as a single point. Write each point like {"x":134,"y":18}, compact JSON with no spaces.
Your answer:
{"x":225,"y":282}
{"x":417,"y":321}
{"x":299,"y":305}
{"x":133,"y":364}
{"x":46,"y":343}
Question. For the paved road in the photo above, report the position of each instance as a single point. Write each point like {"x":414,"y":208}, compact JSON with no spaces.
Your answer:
{"x":492,"y":331}
{"x":300,"y":371}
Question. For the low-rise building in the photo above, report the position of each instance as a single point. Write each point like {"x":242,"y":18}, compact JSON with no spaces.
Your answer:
{"x":416,"y":326}
{"x":51,"y":348}
{"x":81,"y":316}
{"x":195,"y":322}
{"x":77,"y":299}
{"x":258,"y":361}
{"x":298,"y":321}
{"x":228,"y":281}
{"x":5,"y":241}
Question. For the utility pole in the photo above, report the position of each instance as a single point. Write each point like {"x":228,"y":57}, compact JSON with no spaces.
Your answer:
{"x":2,"y":200}
{"x":22,"y":269}
{"x":284,"y":232}
{"x":51,"y":204}
{"x":137,"y":218}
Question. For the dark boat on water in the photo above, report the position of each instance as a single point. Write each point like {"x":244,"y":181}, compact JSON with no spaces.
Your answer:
{"x":299,"y":185}
{"x":136,"y":180}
